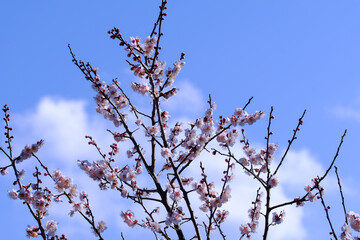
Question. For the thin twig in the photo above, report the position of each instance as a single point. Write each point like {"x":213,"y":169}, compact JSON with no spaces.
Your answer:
{"x":291,"y":141}
{"x":341,"y":193}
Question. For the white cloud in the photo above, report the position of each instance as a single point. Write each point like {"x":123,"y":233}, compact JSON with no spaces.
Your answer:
{"x":189,"y":100}
{"x":342,"y":112}
{"x":299,"y":162}
{"x":63,"y":124}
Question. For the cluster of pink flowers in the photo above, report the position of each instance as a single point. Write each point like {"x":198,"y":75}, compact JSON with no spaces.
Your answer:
{"x":254,"y":215}
{"x":171,"y":73}
{"x":147,"y":48}
{"x":141,"y":68}
{"x":195,"y":141}
{"x":29,"y":150}
{"x":278,"y":217}
{"x":63,"y":183}
{"x":261,"y":160}
{"x":228,"y":138}
{"x":175,"y":193}
{"x":221,"y":216}
{"x":152,"y":131}
{"x":174,"y":132}
{"x":175,"y":217}
{"x":39,"y":199}
{"x":210,"y":197}
{"x":129,"y":218}
{"x":157,"y":73}
{"x":110,"y":177}
{"x":120,"y":137}
{"x":32,"y":231}
{"x":311,"y":196}
{"x":346,"y":233}
{"x":354,"y":221}
{"x":241,"y":117}
{"x":141,"y":88}
{"x":78,"y":206}
{"x":51,"y":227}
{"x":153,"y":225}
{"x":109,"y":100}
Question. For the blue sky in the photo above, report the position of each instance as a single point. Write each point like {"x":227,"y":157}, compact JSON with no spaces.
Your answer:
{"x":292,"y":55}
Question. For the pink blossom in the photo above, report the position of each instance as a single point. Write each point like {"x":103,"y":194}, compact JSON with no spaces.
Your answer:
{"x":354,"y":220}
{"x":346,"y":232}
{"x":152,"y":130}
{"x":175,"y":217}
{"x":166,"y":153}
{"x":101,"y":226}
{"x":13,"y":194}
{"x":176,"y":194}
{"x":245,"y":229}
{"x":32,"y":231}
{"x":141,"y":88}
{"x":29,"y":150}
{"x":278,"y":218}
{"x":273,"y":181}
{"x":149,"y":46}
{"x":51,"y":227}
{"x":128,"y":217}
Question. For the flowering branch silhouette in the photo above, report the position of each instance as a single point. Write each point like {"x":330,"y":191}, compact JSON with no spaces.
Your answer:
{"x":162,"y":154}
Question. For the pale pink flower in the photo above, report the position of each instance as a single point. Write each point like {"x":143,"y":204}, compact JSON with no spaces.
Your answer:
{"x":83,"y":196}
{"x":239,"y":112}
{"x":273,"y":181}
{"x":135,"y":42}
{"x":128,"y":217}
{"x":155,"y":226}
{"x":299,"y":203}
{"x":101,"y":226}
{"x":118,"y":137}
{"x":141,"y":88}
{"x":176,"y":194}
{"x":204,"y":207}
{"x":221,"y":216}
{"x":149,"y":46}
{"x":124,"y":192}
{"x":139,"y":122}
{"x":51,"y":227}
{"x":226,"y":194}
{"x":25,"y":195}
{"x":175,"y":217}
{"x":13,"y":194}
{"x":152,"y":130}
{"x":73,"y":192}
{"x":32,"y":231}
{"x":245,"y":229}
{"x":354,"y":220}
{"x":278,"y":218}
{"x":346,"y":233}
{"x":21,"y":174}
{"x":29,"y":150}
{"x":311,"y":197}
{"x":307,"y":188}
{"x":127,"y":174}
{"x":166,"y":152}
